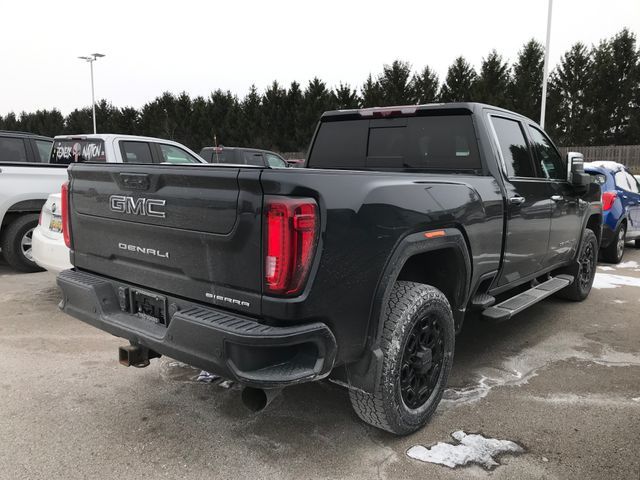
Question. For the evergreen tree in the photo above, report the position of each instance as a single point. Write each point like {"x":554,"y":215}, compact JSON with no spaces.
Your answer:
{"x":345,"y":98}
{"x":79,"y":121}
{"x":525,"y":90}
{"x":610,"y":92}
{"x":317,"y":99}
{"x":425,"y":87}
{"x":274,"y":109}
{"x":252,"y":115}
{"x":395,"y":83}
{"x":293,"y":130}
{"x":493,"y":82}
{"x":459,"y":83}
{"x":569,"y":117}
{"x":371,"y":93}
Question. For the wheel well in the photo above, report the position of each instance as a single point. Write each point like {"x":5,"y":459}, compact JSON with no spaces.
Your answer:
{"x":443,"y":269}
{"x":595,"y":223}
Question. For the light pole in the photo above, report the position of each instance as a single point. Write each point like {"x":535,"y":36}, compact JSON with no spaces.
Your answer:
{"x":92,"y":58}
{"x":545,"y":73}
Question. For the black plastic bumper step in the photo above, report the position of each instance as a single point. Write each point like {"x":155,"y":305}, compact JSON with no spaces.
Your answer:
{"x":513,"y":305}
{"x":481,"y":301}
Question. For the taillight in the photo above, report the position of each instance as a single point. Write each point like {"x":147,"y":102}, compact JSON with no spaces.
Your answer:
{"x":291,"y":235}
{"x":66,"y":234}
{"x":607,"y":200}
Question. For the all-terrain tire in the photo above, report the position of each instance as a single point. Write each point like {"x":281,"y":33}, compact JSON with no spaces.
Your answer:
{"x":12,"y":243}
{"x":614,"y":253}
{"x":410,"y":305}
{"x":585,"y":271}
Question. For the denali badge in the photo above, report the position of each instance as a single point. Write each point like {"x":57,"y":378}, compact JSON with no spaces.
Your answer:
{"x":137,"y":206}
{"x":144,"y":250}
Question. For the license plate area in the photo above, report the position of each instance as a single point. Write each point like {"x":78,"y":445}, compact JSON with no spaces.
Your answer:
{"x":55,"y":224}
{"x":149,"y":306}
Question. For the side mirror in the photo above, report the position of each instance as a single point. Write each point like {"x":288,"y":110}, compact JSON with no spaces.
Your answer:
{"x":575,"y":174}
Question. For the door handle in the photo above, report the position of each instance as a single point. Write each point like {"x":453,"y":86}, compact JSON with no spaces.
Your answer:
{"x":517,"y":200}
{"x":557,"y":198}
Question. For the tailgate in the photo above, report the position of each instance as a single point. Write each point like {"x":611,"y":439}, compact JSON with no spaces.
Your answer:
{"x":193,"y":231}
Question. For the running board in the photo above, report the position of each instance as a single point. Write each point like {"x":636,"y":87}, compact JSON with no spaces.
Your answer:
{"x":508,"y":308}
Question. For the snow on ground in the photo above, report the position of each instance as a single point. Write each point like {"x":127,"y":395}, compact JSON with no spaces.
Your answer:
{"x":473,"y":448}
{"x":608,"y":280}
{"x":629,"y":264}
{"x":520,"y":368}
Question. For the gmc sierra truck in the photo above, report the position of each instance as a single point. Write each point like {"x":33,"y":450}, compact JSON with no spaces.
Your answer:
{"x":359,"y":267}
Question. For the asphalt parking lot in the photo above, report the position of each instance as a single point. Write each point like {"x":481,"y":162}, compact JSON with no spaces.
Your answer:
{"x":562,"y":380}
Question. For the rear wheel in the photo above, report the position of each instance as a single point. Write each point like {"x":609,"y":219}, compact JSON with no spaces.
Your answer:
{"x":17,"y":243}
{"x":615,"y":251}
{"x":585,"y":271}
{"x":417,"y":343}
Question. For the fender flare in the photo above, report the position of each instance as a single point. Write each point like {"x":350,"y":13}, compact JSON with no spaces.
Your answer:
{"x":364,"y":374}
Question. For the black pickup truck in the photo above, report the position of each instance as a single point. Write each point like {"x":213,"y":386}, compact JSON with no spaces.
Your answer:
{"x":359,"y":268}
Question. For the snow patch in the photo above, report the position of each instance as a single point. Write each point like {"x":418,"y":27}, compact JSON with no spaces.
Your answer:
{"x":629,"y":264}
{"x":620,"y":302}
{"x":206,"y":377}
{"x":607,"y":280}
{"x":473,"y":448}
{"x":607,"y":269}
{"x":520,"y":368}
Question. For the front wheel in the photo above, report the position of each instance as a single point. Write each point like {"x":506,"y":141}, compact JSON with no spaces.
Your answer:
{"x":417,"y":343}
{"x":585,"y":271}
{"x":16,"y":243}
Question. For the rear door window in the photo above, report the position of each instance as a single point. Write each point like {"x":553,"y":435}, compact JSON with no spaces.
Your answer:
{"x":12,"y":150}
{"x":633,"y":184}
{"x":43,"y":149}
{"x":136,"y":152}
{"x":253,"y":158}
{"x":173,"y":154}
{"x":514,"y":148}
{"x":77,"y":151}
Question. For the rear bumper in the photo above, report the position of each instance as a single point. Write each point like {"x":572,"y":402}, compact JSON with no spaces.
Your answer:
{"x":227,"y":344}
{"x":50,"y":254}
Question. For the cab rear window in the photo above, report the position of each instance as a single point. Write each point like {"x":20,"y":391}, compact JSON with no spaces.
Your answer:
{"x":77,"y":151}
{"x":442,"y":142}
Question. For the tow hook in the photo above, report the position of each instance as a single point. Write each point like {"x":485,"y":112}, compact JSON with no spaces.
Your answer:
{"x":136,"y":356}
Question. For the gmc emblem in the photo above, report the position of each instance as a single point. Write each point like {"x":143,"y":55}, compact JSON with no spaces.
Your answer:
{"x":149,"y":207}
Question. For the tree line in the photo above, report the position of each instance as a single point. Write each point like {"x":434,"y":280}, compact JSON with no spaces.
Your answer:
{"x":593,"y":99}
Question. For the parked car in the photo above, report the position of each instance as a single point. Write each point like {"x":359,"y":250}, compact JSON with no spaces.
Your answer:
{"x":114,"y":148}
{"x":24,"y":188}
{"x":49,"y":250}
{"x":359,"y":267}
{"x":620,"y":205}
{"x":243,"y":156}
{"x":24,"y":147}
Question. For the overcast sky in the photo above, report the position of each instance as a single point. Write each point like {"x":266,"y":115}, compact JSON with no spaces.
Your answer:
{"x":198,"y":46}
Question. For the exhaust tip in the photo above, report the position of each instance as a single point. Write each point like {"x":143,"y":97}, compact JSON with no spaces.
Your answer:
{"x":257,"y":399}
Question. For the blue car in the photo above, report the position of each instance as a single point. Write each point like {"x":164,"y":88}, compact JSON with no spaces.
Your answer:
{"x":620,"y":205}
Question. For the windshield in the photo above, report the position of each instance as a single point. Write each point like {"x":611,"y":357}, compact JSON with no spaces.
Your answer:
{"x":78,"y":151}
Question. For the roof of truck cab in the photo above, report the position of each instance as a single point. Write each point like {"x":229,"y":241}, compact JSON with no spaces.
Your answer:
{"x":413,"y":110}
{"x":110,"y":136}
{"x":14,"y":133}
